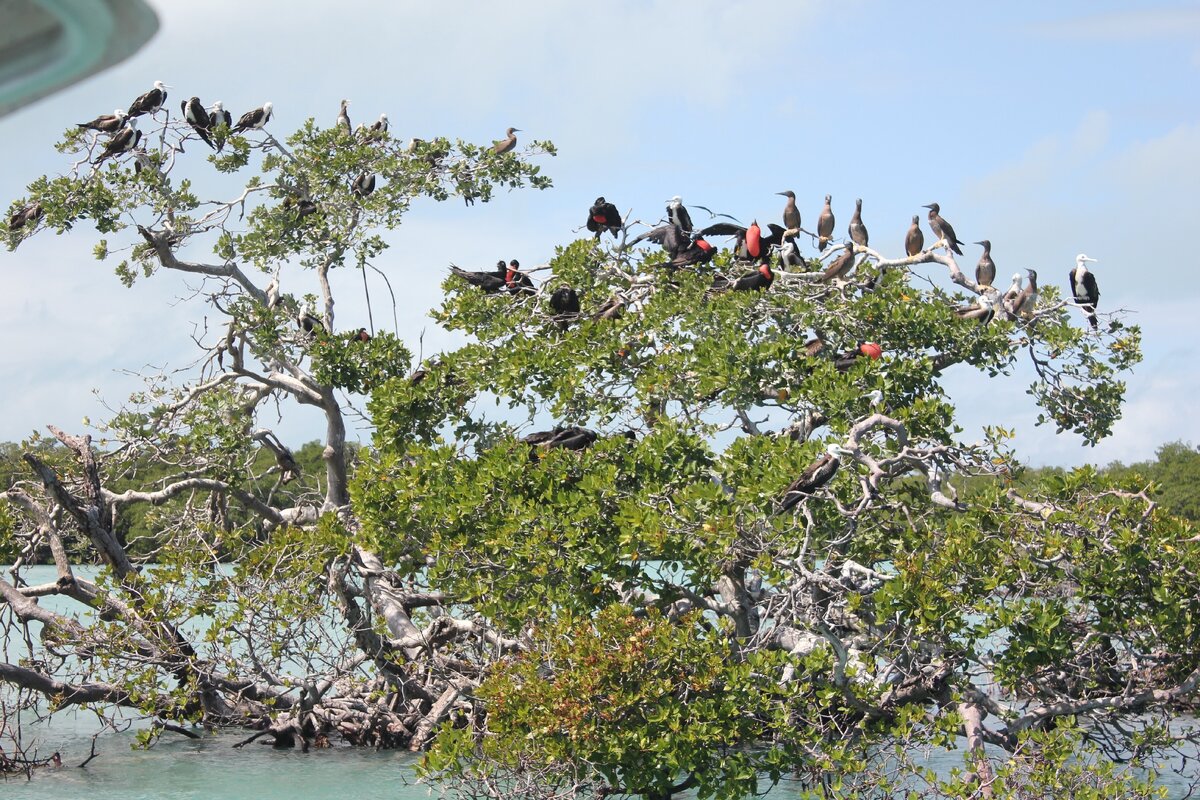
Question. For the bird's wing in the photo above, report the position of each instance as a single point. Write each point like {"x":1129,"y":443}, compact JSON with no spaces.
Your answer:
{"x":723,"y":229}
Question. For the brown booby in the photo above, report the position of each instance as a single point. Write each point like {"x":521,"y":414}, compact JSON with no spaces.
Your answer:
{"x":254,"y":120}
{"x":825,"y":224}
{"x":985,"y":270}
{"x":343,"y":117}
{"x":1026,"y":302}
{"x":914,"y":240}
{"x":490,"y":282}
{"x":791,"y":214}
{"x":603,"y":216}
{"x":1084,"y":289}
{"x":942,"y":229}
{"x":151,"y":101}
{"x":982,"y":309}
{"x":508,"y":143}
{"x":196,"y":115}
{"x":125,"y":140}
{"x":107,"y":123}
{"x":677,"y":214}
{"x":858,"y":231}
{"x":816,"y":475}
{"x":840,"y":266}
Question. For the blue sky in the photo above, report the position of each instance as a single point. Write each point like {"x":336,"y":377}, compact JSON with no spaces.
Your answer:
{"x":1050,"y":129}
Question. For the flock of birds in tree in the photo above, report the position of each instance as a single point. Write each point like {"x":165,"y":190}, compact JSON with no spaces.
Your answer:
{"x":678,"y":236}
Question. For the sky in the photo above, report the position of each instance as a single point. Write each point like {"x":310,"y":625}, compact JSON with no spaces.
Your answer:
{"x":1049,"y":128}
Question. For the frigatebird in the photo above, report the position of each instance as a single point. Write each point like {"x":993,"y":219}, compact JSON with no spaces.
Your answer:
{"x":343,"y":117}
{"x":914,"y":240}
{"x":507,"y":143}
{"x":565,"y":302}
{"x":310,"y":322}
{"x":791,"y":214}
{"x":516,"y":281}
{"x":566,"y":438}
{"x":698,"y":251}
{"x":254,"y":120}
{"x":107,"y":123}
{"x":23,"y":216}
{"x":603,"y":216}
{"x":380,"y":125}
{"x":943,"y":230}
{"x":1084,"y":289}
{"x":490,"y":282}
{"x":750,"y":244}
{"x":816,"y":475}
{"x":150,"y":102}
{"x":197,"y":116}
{"x":363,"y":184}
{"x":362,"y":335}
{"x":670,"y":236}
{"x":985,"y":270}
{"x":219,"y":116}
{"x":844,"y":361}
{"x":760,"y":279}
{"x":124,"y":141}
{"x":677,"y":214}
{"x":825,"y":224}
{"x":840,"y":266}
{"x":858,"y":231}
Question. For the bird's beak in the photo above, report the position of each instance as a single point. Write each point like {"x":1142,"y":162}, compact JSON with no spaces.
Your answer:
{"x":1094,"y":261}
{"x":928,"y":206}
{"x":782,"y":194}
{"x":979,"y":243}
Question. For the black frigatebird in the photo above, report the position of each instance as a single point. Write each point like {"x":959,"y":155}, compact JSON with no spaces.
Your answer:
{"x":677,"y":214}
{"x":603,"y":216}
{"x":516,"y":281}
{"x":125,"y":140}
{"x":107,"y":123}
{"x":490,"y":282}
{"x":198,"y":117}
{"x":815,"y":475}
{"x":1084,"y":289}
{"x":760,"y":279}
{"x":151,"y":101}
{"x":254,"y":120}
{"x":750,"y":244}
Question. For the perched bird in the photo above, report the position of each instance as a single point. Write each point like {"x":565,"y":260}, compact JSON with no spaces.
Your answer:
{"x":565,"y":302}
{"x":791,"y":214}
{"x":750,"y":244}
{"x":982,"y":309}
{"x":612,"y":308}
{"x":858,"y":231}
{"x":23,"y":216}
{"x":197,"y":116}
{"x":1013,"y":292}
{"x":825,"y":224}
{"x":362,"y":335}
{"x":698,"y":251}
{"x":343,"y":118}
{"x":516,"y":281}
{"x":1083,"y":288}
{"x":670,"y":236}
{"x":789,"y":253}
{"x":985,"y":270}
{"x":843,"y":361}
{"x":272,"y":292}
{"x":816,"y":475}
{"x":507,"y":143}
{"x":942,"y":229}
{"x":490,"y":282}
{"x":150,"y":102}
{"x":914,"y":240}
{"x":304,"y":206}
{"x":254,"y":120}
{"x":107,"y":123}
{"x":565,"y":438}
{"x":310,"y":322}
{"x":760,"y":279}
{"x":219,"y":116}
{"x":603,"y":216}
{"x":125,"y":140}
{"x":840,"y":266}
{"x":363,"y":184}
{"x":677,"y":214}
{"x":1026,"y":301}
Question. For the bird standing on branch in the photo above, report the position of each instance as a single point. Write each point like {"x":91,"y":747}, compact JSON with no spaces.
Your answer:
{"x":914,"y":240}
{"x":825,"y":224}
{"x":816,"y":475}
{"x":343,"y":117}
{"x":603,"y":216}
{"x":791,"y":214}
{"x":107,"y":123}
{"x":124,"y":141}
{"x":151,"y":101}
{"x":1084,"y":289}
{"x":489,"y":282}
{"x":858,"y":231}
{"x":942,"y":229}
{"x":507,"y":143}
{"x":985,"y":270}
{"x":760,"y":279}
{"x":677,"y":214}
{"x":254,"y":120}
{"x":840,"y":267}
{"x":198,"y":117}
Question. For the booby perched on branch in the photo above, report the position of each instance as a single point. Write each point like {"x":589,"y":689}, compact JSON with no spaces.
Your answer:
{"x":942,"y":229}
{"x":1084,"y":289}
{"x":507,"y":143}
{"x":107,"y":123}
{"x":677,"y":214}
{"x":840,"y":266}
{"x":816,"y":475}
{"x":23,"y":216}
{"x":825,"y":224}
{"x":151,"y":101}
{"x":1012,"y":293}
{"x":343,"y":118}
{"x":254,"y":120}
{"x":1026,"y":301}
{"x":858,"y":231}
{"x":914,"y":240}
{"x":791,"y":214}
{"x":985,"y":270}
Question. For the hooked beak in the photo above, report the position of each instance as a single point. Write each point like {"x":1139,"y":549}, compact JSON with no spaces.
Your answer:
{"x":928,"y":206}
{"x":1094,"y":261}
